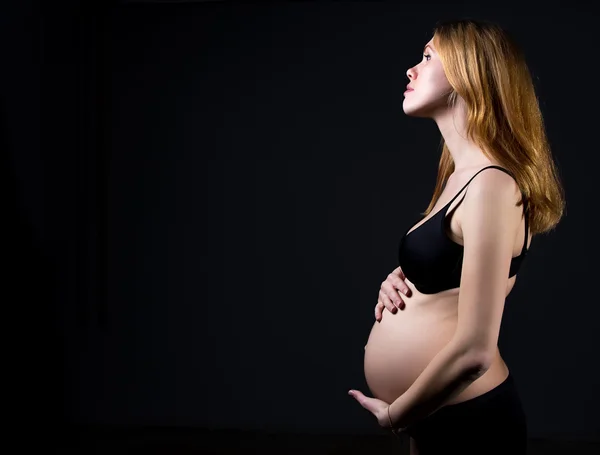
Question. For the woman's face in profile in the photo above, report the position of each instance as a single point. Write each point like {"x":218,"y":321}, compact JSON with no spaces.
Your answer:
{"x":429,"y":83}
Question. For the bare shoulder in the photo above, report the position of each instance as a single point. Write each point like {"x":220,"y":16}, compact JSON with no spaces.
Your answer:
{"x":494,"y":193}
{"x":494,"y":180}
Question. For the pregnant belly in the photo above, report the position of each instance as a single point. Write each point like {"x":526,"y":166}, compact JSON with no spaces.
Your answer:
{"x":402,"y":345}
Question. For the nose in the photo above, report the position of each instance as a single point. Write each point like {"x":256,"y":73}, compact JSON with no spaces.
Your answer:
{"x":410,"y":73}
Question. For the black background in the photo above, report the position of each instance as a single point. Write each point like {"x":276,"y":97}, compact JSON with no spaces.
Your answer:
{"x":204,"y":197}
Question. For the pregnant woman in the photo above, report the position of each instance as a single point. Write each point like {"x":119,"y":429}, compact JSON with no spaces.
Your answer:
{"x":431,"y":361}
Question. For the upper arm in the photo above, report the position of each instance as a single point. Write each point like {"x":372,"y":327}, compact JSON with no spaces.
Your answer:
{"x":490,"y":220}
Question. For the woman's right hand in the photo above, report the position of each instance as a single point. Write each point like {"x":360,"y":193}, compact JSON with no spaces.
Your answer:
{"x":389,"y":296}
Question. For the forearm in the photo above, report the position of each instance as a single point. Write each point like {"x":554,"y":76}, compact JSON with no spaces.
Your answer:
{"x":451,"y":371}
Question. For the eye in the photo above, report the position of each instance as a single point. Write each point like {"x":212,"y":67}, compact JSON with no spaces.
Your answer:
{"x":426,"y":55}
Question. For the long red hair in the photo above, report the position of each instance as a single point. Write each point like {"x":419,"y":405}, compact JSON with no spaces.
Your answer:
{"x":487,"y":70}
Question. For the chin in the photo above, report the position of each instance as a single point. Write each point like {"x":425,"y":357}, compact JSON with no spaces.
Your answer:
{"x":423,"y":109}
{"x":416,"y":112}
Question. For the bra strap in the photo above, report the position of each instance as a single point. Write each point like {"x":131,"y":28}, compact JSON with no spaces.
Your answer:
{"x":467,"y":184}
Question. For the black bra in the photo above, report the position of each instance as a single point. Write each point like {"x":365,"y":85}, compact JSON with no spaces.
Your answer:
{"x":433,"y":261}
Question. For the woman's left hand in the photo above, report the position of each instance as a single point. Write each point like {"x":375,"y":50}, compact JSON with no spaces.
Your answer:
{"x":378,"y":408}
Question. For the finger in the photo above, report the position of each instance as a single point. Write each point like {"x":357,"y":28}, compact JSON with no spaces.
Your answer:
{"x":358,"y":396}
{"x":392,"y":294}
{"x":379,"y":310}
{"x":383,"y":297}
{"x":399,"y":284}
{"x":398,"y":272}
{"x":366,"y":402}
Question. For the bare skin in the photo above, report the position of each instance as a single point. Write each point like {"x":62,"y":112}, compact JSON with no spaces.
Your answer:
{"x":412,"y":327}
{"x":401,"y":344}
{"x":434,"y":314}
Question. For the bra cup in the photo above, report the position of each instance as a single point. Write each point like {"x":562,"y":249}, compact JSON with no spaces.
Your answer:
{"x":429,"y":256}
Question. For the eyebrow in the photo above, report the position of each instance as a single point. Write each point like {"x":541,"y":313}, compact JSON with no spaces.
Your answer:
{"x":428,"y":46}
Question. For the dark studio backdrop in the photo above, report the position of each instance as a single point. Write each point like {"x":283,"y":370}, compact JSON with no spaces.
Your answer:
{"x":204,"y":205}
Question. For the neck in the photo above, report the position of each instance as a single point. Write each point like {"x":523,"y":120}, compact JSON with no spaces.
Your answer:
{"x":452,"y":125}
